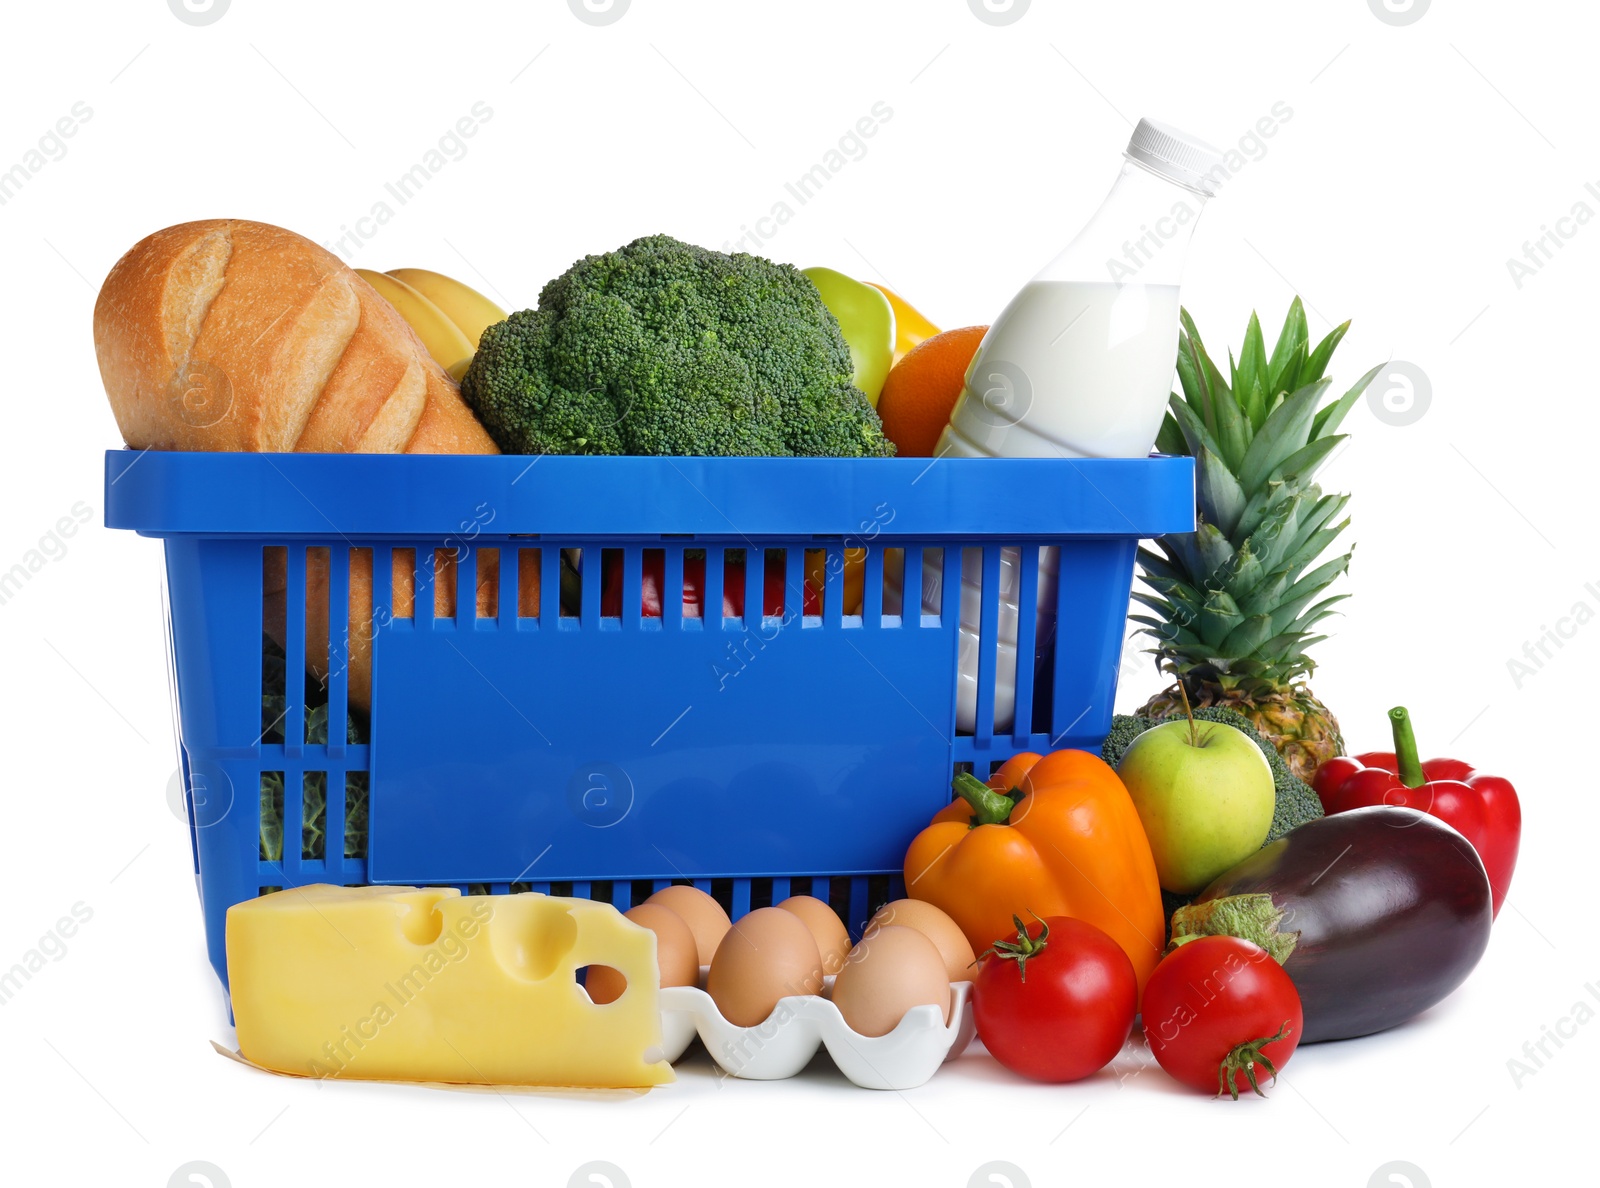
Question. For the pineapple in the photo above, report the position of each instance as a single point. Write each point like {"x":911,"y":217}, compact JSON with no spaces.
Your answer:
{"x":1236,"y":600}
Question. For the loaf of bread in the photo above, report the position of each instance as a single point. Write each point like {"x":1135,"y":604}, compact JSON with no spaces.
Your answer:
{"x":231,"y":335}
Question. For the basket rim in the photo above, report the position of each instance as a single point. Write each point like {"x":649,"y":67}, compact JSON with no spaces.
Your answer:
{"x":368,"y":496}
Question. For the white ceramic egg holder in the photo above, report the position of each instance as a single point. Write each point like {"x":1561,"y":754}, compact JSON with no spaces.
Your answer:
{"x":799,"y":1024}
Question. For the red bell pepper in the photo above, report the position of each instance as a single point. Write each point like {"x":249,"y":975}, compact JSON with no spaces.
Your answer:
{"x":694,"y":582}
{"x":1482,"y":808}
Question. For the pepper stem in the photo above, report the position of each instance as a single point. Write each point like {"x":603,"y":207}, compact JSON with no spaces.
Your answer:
{"x":1405,"y":748}
{"x":988,"y":806}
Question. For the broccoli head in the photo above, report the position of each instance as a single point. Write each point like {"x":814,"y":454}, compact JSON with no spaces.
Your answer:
{"x":661,"y":347}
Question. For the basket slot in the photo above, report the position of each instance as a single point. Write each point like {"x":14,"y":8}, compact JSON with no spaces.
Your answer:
{"x":354,"y":784}
{"x":893,"y":598}
{"x":319,"y":627}
{"x":519,"y":588}
{"x":610,"y":611}
{"x":487,"y":576}
{"x":874,"y":591}
{"x":755,"y":587}
{"x":339,"y":627}
{"x":931,"y":575}
{"x":988,"y":558}
{"x":271,"y":792}
{"x":1027,"y":631}
{"x":315,"y":813}
{"x":445,"y":579}
{"x":402,"y":576}
{"x":508,"y":588}
{"x":273,"y":680}
{"x":294,"y":650}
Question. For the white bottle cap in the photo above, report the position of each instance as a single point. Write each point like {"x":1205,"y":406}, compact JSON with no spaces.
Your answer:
{"x":1175,"y":155}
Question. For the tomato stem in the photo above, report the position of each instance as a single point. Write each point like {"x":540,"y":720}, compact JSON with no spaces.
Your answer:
{"x":1244,"y":1059}
{"x":1023,"y":947}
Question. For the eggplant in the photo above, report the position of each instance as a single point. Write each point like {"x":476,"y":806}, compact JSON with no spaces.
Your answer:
{"x":1376,"y":914}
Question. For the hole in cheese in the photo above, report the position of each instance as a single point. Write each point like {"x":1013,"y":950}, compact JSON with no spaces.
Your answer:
{"x":602,"y":983}
{"x":530,"y":940}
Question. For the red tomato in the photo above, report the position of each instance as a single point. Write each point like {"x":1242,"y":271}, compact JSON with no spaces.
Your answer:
{"x":1219,"y":1006}
{"x":1057,"y":1003}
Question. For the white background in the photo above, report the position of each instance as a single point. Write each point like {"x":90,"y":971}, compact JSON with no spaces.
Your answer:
{"x":1417,"y":160}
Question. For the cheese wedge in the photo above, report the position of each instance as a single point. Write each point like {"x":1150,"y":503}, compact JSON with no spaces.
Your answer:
{"x":427,"y":984}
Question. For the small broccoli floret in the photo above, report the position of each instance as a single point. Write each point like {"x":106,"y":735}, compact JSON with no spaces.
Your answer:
{"x":661,"y":347}
{"x":1294,"y":802}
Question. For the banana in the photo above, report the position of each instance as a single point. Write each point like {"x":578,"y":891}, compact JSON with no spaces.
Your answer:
{"x":443,"y":339}
{"x":465,"y":306}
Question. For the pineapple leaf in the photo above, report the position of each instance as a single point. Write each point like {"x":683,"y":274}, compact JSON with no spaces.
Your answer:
{"x":1289,"y":355}
{"x":1195,"y":435}
{"x":1269,"y":499}
{"x":1245,"y":638}
{"x":1218,"y":618}
{"x":1303,"y":463}
{"x":1304,"y":590}
{"x":1223,"y":417}
{"x":1267,"y":593}
{"x":1255,"y":406}
{"x":1221,"y":498}
{"x":1155,"y":565}
{"x":1250,"y":376}
{"x":1192,"y":381}
{"x":1314,"y":520}
{"x":1286,"y":431}
{"x":1314,"y":546}
{"x":1330,"y":418}
{"x":1171,"y":440}
{"x":1244,"y":574}
{"x":1192,"y":370}
{"x":1317,"y":363}
{"x":1214,"y":550}
{"x":1301,"y":627}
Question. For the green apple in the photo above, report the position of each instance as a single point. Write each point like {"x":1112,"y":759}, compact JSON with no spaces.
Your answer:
{"x":1205,"y":794}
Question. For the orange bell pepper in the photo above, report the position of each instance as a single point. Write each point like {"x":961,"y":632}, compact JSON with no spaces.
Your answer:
{"x":1051,"y":836}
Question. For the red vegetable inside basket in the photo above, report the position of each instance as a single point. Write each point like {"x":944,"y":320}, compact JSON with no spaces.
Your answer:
{"x":694,"y":582}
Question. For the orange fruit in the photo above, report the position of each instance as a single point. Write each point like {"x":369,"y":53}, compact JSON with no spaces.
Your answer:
{"x":923,"y":387}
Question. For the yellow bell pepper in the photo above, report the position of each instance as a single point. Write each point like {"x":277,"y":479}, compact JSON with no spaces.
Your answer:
{"x":910,"y":327}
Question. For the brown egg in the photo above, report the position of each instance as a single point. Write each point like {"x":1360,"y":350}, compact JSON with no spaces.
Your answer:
{"x":944,"y":932}
{"x":892,"y":970}
{"x":833,"y":941}
{"x":700,"y":912}
{"x":769,"y":954}
{"x":675,"y":954}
